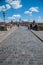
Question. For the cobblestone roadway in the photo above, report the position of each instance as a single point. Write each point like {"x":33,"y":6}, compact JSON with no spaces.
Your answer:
{"x":21,"y":48}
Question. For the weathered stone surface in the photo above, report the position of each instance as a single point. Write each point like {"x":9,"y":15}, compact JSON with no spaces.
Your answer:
{"x":21,"y":48}
{"x":5,"y":34}
{"x":39,"y":34}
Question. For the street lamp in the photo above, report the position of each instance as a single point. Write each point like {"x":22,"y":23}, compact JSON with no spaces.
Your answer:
{"x":4,"y":26}
{"x":3,"y":17}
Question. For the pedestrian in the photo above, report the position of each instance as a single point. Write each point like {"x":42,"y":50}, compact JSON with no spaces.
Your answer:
{"x":34,"y":26}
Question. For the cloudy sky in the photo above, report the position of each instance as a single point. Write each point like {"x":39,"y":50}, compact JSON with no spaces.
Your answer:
{"x":27,"y":10}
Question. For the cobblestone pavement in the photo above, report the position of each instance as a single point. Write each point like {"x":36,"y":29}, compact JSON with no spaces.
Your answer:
{"x":21,"y":48}
{"x":5,"y":34}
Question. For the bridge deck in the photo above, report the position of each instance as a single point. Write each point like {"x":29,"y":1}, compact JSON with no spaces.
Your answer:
{"x":39,"y":34}
{"x":22,"y":47}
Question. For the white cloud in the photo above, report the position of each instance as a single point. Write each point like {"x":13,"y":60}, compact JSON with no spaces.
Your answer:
{"x":8,"y":6}
{"x":31,"y":10}
{"x":2,"y":8}
{"x":14,"y":16}
{"x":17,"y":15}
{"x":5,"y":7}
{"x":11,"y":18}
{"x":15,"y":3}
{"x":9,"y":1}
{"x":34,"y":9}
{"x":28,"y":12}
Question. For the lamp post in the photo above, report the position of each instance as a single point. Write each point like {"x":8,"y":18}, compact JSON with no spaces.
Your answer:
{"x":4,"y":26}
{"x":3,"y":17}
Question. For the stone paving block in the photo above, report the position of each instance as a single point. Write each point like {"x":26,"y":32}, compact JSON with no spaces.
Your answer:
{"x":21,"y":48}
{"x":5,"y":34}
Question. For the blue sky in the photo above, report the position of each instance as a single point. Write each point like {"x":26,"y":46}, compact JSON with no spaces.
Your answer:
{"x":27,"y":10}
